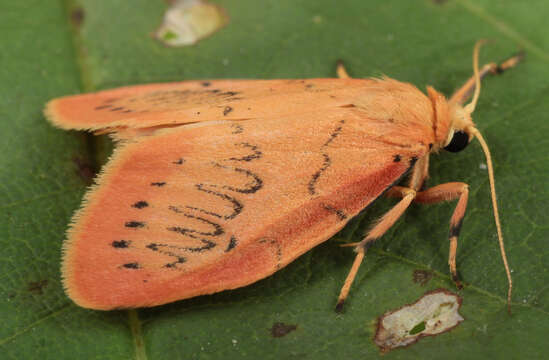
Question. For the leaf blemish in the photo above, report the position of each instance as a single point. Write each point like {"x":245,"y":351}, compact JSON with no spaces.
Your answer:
{"x":77,"y":17}
{"x":434,"y":313}
{"x":422,"y":277}
{"x":85,"y":169}
{"x":187,"y":22}
{"x":280,"y":329}
{"x":37,"y":287}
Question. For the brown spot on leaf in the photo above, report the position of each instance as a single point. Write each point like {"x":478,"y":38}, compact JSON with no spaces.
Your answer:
{"x":77,"y":17}
{"x":84,"y":169}
{"x":422,"y":277}
{"x":37,"y":287}
{"x":280,"y":329}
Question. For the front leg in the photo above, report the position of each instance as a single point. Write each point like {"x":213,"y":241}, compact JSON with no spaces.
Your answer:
{"x":375,"y":233}
{"x":407,"y":195}
{"x":447,"y":192}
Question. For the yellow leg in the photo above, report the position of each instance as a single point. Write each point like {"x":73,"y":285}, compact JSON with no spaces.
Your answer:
{"x":443,"y":192}
{"x":447,"y":192}
{"x":341,"y":72}
{"x":377,"y":231}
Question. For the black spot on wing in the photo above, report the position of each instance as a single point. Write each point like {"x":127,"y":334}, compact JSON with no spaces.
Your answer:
{"x":140,"y":204}
{"x":134,"y":224}
{"x":133,"y":266}
{"x":121,"y":244}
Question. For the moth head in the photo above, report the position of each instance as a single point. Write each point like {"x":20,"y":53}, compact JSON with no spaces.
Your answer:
{"x":452,"y":125}
{"x":459,"y":134}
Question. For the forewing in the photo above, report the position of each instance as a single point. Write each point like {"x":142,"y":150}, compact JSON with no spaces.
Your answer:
{"x":207,"y":207}
{"x":145,"y":106}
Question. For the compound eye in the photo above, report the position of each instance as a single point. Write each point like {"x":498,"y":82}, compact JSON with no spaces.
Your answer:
{"x":459,"y":141}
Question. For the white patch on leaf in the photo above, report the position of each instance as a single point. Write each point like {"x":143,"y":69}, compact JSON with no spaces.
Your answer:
{"x":434,"y":313}
{"x":188,"y":21}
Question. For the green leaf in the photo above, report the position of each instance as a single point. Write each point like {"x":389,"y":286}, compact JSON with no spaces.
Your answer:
{"x":48,"y":50}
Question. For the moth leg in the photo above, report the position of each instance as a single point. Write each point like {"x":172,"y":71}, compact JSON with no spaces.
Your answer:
{"x":376,"y":232}
{"x":341,"y":72}
{"x":447,"y":192}
{"x":461,"y":95}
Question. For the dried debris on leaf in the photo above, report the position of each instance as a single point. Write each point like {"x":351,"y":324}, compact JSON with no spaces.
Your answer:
{"x":188,"y":21}
{"x":434,"y":313}
{"x":422,"y":277}
{"x":280,"y":329}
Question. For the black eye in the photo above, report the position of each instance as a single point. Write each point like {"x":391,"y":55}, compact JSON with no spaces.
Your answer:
{"x":459,"y":141}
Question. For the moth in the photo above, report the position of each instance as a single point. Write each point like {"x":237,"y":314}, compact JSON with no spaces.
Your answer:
{"x":214,"y":185}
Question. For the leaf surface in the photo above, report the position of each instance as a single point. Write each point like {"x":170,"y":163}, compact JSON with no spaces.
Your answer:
{"x":51,"y":49}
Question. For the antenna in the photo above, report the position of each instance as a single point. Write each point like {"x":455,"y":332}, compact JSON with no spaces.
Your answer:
{"x":469,"y":108}
{"x":486,"y":150}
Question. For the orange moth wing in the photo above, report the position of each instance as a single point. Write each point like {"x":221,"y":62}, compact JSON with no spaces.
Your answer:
{"x":200,"y":208}
{"x":169,"y":104}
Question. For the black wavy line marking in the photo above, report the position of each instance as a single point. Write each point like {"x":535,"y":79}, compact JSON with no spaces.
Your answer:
{"x":237,"y":128}
{"x":257,"y":154}
{"x":237,"y":206}
{"x":327,"y":161}
{"x":252,"y":187}
{"x":314,"y":179}
{"x":334,"y":133}
{"x":232,"y":244}
{"x":278,"y":250}
{"x":339,"y":213}
{"x":208,"y":244}
{"x":158,"y":248}
{"x":254,"y":184}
